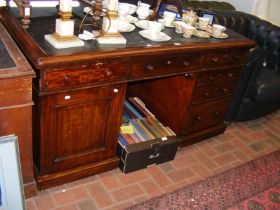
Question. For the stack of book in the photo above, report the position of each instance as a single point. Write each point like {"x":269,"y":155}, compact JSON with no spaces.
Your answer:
{"x":139,"y":124}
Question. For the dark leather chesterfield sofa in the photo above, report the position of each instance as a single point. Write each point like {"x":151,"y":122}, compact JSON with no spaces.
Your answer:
{"x":258,"y":91}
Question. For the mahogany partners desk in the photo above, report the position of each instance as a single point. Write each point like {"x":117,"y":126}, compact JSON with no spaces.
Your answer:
{"x":79,"y":92}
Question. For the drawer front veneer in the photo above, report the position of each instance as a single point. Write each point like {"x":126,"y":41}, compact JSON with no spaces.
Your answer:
{"x":213,"y":92}
{"x":198,"y":118}
{"x":101,"y":72}
{"x":223,"y":58}
{"x":145,"y":66}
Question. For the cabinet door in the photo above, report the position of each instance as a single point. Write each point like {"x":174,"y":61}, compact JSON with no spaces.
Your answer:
{"x":80,"y":127}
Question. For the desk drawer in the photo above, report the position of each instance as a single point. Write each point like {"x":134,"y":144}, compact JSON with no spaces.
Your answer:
{"x":212,"y":77}
{"x":206,"y":115}
{"x":223,"y":58}
{"x":100,"y":72}
{"x":212,"y":92}
{"x":148,"y":66}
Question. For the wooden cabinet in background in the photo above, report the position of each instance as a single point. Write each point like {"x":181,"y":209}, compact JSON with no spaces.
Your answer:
{"x":16,"y":104}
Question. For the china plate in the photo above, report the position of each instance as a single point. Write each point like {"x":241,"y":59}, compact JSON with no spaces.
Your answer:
{"x":222,"y":36}
{"x":131,"y":28}
{"x":202,"y":34}
{"x":144,"y":24}
{"x":161,"y":38}
{"x":168,"y":26}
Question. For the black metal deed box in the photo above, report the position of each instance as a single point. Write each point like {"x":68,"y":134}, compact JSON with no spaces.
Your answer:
{"x":140,"y":155}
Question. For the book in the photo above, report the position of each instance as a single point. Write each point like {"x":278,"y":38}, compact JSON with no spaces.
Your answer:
{"x":150,"y":128}
{"x":122,"y":141}
{"x":156,"y":125}
{"x":138,"y":100}
{"x":170,"y":131}
{"x":145,"y":130}
{"x":128,"y":138}
{"x":132,"y":109}
{"x":130,"y":113}
{"x":138,"y":131}
{"x":135,"y":138}
{"x":137,"y":107}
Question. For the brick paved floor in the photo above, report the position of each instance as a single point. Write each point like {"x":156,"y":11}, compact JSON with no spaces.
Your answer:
{"x":240,"y":143}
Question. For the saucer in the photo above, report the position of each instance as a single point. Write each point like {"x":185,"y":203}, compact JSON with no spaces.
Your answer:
{"x":168,"y":26}
{"x":222,"y":36}
{"x":129,"y":19}
{"x":202,"y":34}
{"x":161,"y":38}
{"x":130,"y":28}
{"x":144,"y":24}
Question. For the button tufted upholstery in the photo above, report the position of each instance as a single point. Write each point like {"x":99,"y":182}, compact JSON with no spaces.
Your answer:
{"x":258,"y":91}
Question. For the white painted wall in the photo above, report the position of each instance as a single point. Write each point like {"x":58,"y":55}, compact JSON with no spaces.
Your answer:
{"x":273,"y":15}
{"x":265,"y":9}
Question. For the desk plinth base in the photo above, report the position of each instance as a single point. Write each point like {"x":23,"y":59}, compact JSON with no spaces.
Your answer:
{"x":115,"y":38}
{"x":62,"y":177}
{"x":67,"y":43}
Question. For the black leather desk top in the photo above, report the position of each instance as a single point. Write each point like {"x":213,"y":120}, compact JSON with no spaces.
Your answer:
{"x":43,"y":22}
{"x":6,"y":60}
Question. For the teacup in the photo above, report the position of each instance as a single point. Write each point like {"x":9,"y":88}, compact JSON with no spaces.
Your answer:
{"x":168,"y":17}
{"x":217,"y":30}
{"x":188,"y":30}
{"x":130,"y":7}
{"x":203,"y":23}
{"x":154,"y":28}
{"x":123,"y":11}
{"x":179,"y":26}
{"x":143,"y":10}
{"x":190,"y":20}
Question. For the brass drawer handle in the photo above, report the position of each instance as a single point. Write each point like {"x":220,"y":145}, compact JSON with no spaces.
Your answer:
{"x":199,"y":118}
{"x":230,"y":75}
{"x":236,"y":57}
{"x":149,"y":67}
{"x":225,"y":90}
{"x":211,"y":78}
{"x":186,"y":63}
{"x":215,"y":60}
{"x":66,"y":78}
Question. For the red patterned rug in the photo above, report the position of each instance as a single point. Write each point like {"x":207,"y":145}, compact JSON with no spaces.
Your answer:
{"x":254,"y":185}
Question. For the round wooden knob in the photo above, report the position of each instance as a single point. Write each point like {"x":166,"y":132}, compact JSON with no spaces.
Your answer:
{"x":215,"y":60}
{"x":149,"y":67}
{"x":216,"y":113}
{"x":211,"y":78}
{"x":206,"y":94}
{"x":198,"y":118}
{"x":108,"y":73}
{"x":230,"y":74}
{"x":169,"y":62}
{"x":225,"y":90}
{"x":189,"y":75}
{"x":66,"y":78}
{"x":186,"y":63}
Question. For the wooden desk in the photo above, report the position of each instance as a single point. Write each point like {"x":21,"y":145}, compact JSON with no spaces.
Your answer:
{"x":15,"y":104}
{"x":79,"y":93}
